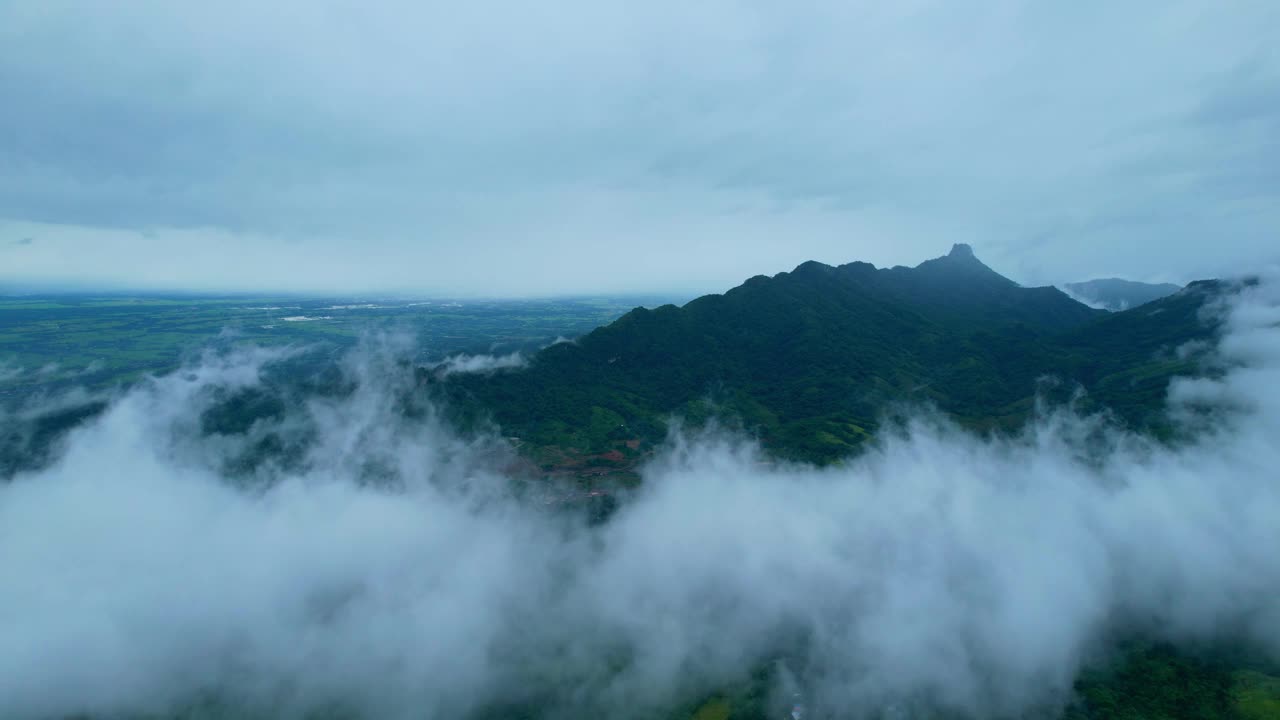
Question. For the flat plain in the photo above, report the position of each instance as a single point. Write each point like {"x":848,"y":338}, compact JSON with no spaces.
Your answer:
{"x":97,"y":340}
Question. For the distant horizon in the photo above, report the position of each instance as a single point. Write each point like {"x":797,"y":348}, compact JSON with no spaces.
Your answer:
{"x":12,"y":287}
{"x":53,"y":290}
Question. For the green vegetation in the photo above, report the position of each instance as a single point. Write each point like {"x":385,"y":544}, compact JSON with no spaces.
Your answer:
{"x":102,"y":340}
{"x":1256,"y":696}
{"x":814,"y":361}
{"x":1161,"y":683}
{"x":55,"y":343}
{"x":1142,"y":682}
{"x":715,"y":709}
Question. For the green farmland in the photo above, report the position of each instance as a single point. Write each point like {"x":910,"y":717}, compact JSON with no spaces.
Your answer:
{"x":96,"y":340}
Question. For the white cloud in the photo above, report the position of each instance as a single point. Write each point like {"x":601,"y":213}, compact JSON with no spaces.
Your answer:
{"x":480,"y":363}
{"x":10,"y":371}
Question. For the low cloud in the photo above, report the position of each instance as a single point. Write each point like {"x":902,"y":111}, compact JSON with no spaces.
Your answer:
{"x":480,"y":363}
{"x":392,"y":569}
{"x":1085,"y":300}
{"x":49,"y":371}
{"x":10,"y":371}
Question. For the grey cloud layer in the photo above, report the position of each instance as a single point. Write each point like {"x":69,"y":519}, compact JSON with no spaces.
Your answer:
{"x":939,"y":570}
{"x":724,"y":140}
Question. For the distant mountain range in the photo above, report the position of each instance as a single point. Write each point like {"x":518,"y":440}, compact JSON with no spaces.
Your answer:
{"x":1115,"y":294}
{"x":814,"y":360}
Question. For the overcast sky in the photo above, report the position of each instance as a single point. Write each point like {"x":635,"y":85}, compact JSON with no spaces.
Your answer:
{"x":504,"y":148}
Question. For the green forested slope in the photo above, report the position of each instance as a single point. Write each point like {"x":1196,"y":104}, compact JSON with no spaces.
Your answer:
{"x":812,"y":360}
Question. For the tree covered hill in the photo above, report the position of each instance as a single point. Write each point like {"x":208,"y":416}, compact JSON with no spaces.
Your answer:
{"x":1117,"y":294}
{"x":813,"y":359}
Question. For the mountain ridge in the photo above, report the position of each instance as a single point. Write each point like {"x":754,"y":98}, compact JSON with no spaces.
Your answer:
{"x":811,"y":360}
{"x":1119,"y":294}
